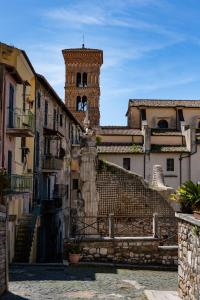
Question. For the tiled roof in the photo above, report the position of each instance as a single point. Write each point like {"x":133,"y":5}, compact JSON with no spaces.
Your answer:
{"x":118,"y":130}
{"x":82,"y":49}
{"x":164,"y":103}
{"x":138,"y":148}
{"x":170,"y":132}
{"x":168,"y":148}
{"x":119,"y":148}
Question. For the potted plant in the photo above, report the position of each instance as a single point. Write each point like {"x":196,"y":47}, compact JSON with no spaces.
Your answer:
{"x":188,"y":196}
{"x":72,"y":251}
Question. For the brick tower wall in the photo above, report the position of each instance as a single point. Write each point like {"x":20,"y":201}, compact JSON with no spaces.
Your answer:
{"x":88,"y":61}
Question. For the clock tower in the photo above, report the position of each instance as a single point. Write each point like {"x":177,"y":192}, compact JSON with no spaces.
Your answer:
{"x":82,"y":90}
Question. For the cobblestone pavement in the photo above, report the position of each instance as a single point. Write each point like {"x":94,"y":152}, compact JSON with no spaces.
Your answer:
{"x":85,"y":282}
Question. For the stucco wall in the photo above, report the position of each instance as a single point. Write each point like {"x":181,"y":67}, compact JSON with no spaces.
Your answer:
{"x":172,"y":178}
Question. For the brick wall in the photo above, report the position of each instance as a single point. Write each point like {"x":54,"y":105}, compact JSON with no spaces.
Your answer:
{"x":189,"y":257}
{"x":2,"y":249}
{"x":127,"y":194}
{"x":133,"y":203}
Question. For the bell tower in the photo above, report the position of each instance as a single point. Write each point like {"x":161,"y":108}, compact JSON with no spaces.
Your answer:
{"x":82,"y":90}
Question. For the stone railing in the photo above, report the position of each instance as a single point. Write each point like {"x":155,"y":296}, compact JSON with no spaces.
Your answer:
{"x":131,"y":250}
{"x":189,"y":256}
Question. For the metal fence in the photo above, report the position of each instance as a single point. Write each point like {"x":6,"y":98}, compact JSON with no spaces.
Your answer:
{"x":164,"y":228}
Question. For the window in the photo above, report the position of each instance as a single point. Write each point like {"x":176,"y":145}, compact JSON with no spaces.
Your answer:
{"x":78,"y":79}
{"x":54,"y":119}
{"x":23,"y":147}
{"x":84,"y":79}
{"x":199,"y":124}
{"x":84,"y":103}
{"x":9,"y":167}
{"x":170,"y":164}
{"x":37,"y":154}
{"x":81,"y":104}
{"x":127,"y":163}
{"x":61,"y":120}
{"x":24,"y":97}
{"x":47,"y":146}
{"x":75,"y":184}
{"x":11,"y":107}
{"x":78,"y":103}
{"x":38,"y":99}
{"x":46,"y":113}
{"x":162,"y":124}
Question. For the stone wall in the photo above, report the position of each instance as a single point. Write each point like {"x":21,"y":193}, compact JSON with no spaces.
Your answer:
{"x":189,"y":257}
{"x":3,"y":280}
{"x":128,"y":250}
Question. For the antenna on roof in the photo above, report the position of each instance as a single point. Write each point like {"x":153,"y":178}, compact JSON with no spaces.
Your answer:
{"x":83,"y":45}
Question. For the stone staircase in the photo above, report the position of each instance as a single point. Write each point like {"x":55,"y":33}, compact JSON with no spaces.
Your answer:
{"x":23,"y":239}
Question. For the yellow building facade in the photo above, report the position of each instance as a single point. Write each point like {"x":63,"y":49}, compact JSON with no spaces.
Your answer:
{"x":17,"y":134}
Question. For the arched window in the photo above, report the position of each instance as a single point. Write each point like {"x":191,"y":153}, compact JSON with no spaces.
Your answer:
{"x":162,"y":124}
{"x":199,"y":124}
{"x":78,"y":79}
{"x":78,"y":103}
{"x":84,"y":103}
{"x":84,"y":79}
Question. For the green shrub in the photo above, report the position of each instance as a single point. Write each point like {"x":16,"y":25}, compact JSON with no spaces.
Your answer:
{"x":188,"y":196}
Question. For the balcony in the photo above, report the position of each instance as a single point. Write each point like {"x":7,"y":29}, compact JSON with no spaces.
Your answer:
{"x":20,"y":124}
{"x":10,"y":184}
{"x":51,"y":164}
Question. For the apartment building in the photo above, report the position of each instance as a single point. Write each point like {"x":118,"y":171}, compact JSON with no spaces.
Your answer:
{"x":17,"y":97}
{"x":57,"y":134}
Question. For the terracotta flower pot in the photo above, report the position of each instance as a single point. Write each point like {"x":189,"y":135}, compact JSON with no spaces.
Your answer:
{"x":74,"y":258}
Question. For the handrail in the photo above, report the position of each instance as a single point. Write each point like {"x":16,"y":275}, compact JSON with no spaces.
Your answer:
{"x":124,"y":226}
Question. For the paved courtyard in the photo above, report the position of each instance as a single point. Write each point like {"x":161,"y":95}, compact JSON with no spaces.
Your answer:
{"x":85,"y":282}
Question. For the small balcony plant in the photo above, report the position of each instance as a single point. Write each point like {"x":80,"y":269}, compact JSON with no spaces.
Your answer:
{"x":72,"y":251}
{"x":188,"y":196}
{"x":5,"y":183}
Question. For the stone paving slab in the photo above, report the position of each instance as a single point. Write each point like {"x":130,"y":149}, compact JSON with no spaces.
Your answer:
{"x":85,"y":282}
{"x":161,"y":295}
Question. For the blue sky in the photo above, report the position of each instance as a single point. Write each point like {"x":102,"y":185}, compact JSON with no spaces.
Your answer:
{"x":151,"y":47}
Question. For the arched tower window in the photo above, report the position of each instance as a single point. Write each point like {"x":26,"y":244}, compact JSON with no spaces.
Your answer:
{"x":85,"y":79}
{"x":162,"y":124}
{"x":84,"y":103}
{"x":78,"y":79}
{"x":78,"y":103}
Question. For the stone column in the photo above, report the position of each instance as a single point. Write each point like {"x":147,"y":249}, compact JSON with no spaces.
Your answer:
{"x":88,"y":181}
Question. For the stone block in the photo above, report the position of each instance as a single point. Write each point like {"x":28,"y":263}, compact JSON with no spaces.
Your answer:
{"x":103,"y":251}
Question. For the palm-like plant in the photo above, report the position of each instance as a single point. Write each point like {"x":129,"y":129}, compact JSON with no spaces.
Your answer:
{"x":188,"y":195}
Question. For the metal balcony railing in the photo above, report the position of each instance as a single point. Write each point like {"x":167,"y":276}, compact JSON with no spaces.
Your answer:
{"x":20,"y":122}
{"x":16,"y":183}
{"x":52,"y":163}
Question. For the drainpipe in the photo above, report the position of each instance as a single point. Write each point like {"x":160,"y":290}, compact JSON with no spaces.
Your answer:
{"x":144,"y":165}
{"x":180,"y":168}
{"x":3,"y":121}
{"x":35,"y":173}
